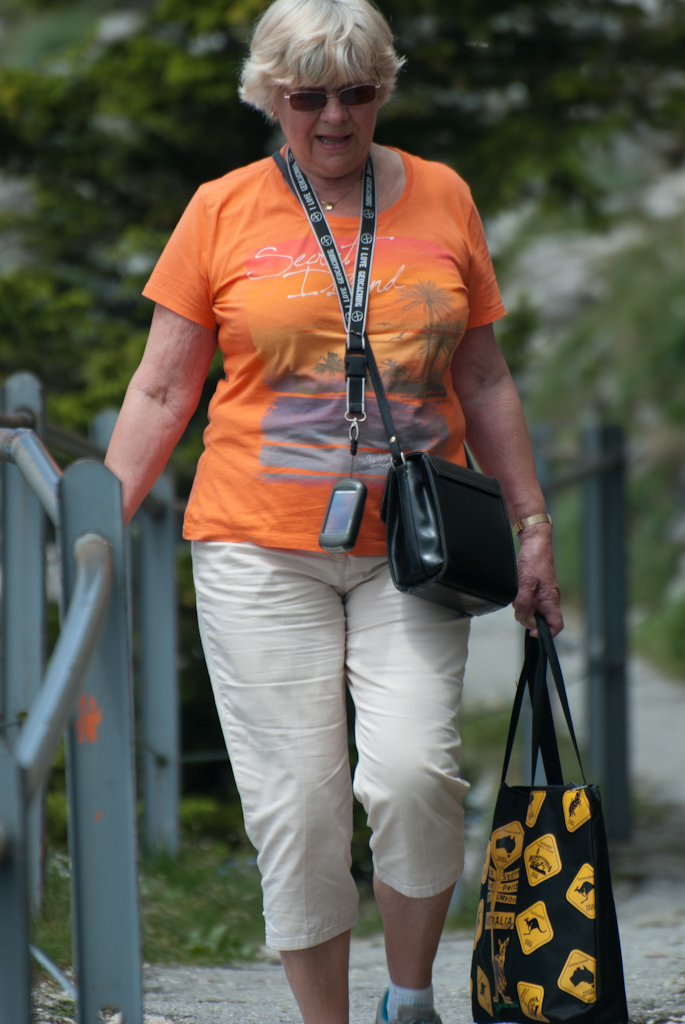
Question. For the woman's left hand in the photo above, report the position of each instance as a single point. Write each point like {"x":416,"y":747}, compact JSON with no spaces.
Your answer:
{"x":538,"y":589}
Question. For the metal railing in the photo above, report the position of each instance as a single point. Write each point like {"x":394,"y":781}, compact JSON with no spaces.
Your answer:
{"x":150,"y":560}
{"x":86,"y":692}
{"x":80,"y":634}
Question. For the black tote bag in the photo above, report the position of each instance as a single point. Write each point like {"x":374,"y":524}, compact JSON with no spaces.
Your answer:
{"x":547,"y":945}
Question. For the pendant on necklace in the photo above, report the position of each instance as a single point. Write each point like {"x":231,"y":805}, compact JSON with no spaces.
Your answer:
{"x":328,"y":206}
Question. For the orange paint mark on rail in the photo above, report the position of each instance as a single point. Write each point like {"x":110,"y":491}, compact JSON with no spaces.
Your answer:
{"x":89,"y":719}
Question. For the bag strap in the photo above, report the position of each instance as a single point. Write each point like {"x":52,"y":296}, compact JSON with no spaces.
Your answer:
{"x":538,"y":653}
{"x":383,"y":405}
{"x":543,"y":737}
{"x":283,"y":168}
{"x":545,"y":635}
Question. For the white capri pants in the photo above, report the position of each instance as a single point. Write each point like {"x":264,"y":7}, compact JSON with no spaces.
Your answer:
{"x":282,"y":631}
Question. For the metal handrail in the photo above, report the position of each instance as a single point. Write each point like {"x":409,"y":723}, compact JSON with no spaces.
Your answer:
{"x":71,"y":657}
{"x":72,"y":444}
{"x":584,"y":471}
{"x":28,"y":453}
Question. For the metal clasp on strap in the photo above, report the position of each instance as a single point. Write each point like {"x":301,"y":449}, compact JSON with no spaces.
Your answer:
{"x":396,"y":463}
{"x":353,"y":433}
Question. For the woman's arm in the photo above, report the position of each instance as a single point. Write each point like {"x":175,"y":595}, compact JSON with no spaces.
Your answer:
{"x":497,"y":435}
{"x":161,"y":398}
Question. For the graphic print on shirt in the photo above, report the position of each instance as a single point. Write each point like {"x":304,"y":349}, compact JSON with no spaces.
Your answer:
{"x":416,"y":324}
{"x":243,"y":260}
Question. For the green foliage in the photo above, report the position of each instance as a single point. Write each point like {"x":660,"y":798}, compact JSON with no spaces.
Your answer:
{"x":625,"y":355}
{"x":115,"y":138}
{"x":623,"y":360}
{"x":200,"y":727}
{"x":114,"y":146}
{"x":203,"y":907}
{"x":661,"y":637}
{"x":204,"y":818}
{"x":515,"y":331}
{"x":56,"y":815}
{"x":51,"y":930}
{"x":512,"y":94}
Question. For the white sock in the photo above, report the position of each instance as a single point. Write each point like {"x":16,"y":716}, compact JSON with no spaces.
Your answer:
{"x":398,"y":996}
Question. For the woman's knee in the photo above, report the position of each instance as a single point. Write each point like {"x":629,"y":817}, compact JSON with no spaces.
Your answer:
{"x":412,"y":789}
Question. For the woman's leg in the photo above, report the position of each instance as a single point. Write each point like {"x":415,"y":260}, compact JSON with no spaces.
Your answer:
{"x":272,"y":626}
{"x":318,"y":978}
{"x":412,"y":929}
{"x":405,"y":660}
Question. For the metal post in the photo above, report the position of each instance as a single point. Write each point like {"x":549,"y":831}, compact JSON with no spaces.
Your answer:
{"x":156,"y":593}
{"x":604,"y":538}
{"x":15,"y":970}
{"x":23,"y":606}
{"x":155,"y":601}
{"x":100,"y":771}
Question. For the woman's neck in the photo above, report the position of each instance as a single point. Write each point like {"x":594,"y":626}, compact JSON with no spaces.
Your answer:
{"x":343,"y":194}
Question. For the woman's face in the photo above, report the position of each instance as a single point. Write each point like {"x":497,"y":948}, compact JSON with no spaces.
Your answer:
{"x":329,"y":143}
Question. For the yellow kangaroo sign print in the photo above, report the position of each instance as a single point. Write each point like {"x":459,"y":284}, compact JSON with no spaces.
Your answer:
{"x":534,"y":928}
{"x":483,"y":993}
{"x":537,"y":799}
{"x":542,"y":859}
{"x":579,"y":975}
{"x":485,"y":866}
{"x":530,"y":998}
{"x":581,"y":891}
{"x":479,"y":922}
{"x":506,"y":844}
{"x":576,"y":808}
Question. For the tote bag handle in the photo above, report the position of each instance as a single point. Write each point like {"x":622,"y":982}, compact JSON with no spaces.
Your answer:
{"x":538,"y":654}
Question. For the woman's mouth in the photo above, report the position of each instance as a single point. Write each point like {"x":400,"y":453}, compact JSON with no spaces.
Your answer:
{"x":333,"y":141}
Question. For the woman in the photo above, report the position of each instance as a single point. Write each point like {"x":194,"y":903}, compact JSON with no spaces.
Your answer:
{"x":283,"y":624}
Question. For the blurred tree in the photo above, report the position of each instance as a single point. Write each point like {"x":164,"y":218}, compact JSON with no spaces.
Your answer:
{"x":116,"y":135}
{"x":622,"y":359}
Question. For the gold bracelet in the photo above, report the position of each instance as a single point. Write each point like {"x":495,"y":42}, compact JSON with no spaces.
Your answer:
{"x":543,"y":517}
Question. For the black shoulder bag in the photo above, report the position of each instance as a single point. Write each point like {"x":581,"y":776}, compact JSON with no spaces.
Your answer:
{"x":447,"y":530}
{"x":547,"y":945}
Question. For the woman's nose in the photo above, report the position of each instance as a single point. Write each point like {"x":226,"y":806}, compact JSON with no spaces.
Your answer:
{"x":334,"y":112}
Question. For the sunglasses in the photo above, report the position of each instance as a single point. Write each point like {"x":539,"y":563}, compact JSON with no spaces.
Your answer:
{"x":354,"y":96}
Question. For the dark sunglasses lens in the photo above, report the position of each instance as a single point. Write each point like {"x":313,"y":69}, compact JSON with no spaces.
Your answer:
{"x":358,"y":95}
{"x":307,"y":101}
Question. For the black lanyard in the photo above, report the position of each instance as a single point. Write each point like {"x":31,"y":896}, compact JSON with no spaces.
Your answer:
{"x":354,"y":300}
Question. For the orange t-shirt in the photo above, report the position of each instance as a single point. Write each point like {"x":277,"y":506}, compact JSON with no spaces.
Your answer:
{"x":243,"y":258}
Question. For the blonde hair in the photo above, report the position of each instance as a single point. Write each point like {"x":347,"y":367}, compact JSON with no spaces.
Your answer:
{"x":327,"y":43}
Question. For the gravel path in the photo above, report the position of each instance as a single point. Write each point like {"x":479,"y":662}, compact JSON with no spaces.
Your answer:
{"x":652,"y":920}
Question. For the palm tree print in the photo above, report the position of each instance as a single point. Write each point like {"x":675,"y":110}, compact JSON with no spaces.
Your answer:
{"x":393,"y":372}
{"x":446,"y":334}
{"x":331,"y":365}
{"x":436,"y":303}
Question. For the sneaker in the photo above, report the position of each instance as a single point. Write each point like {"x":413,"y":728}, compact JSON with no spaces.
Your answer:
{"x":406,"y":1014}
